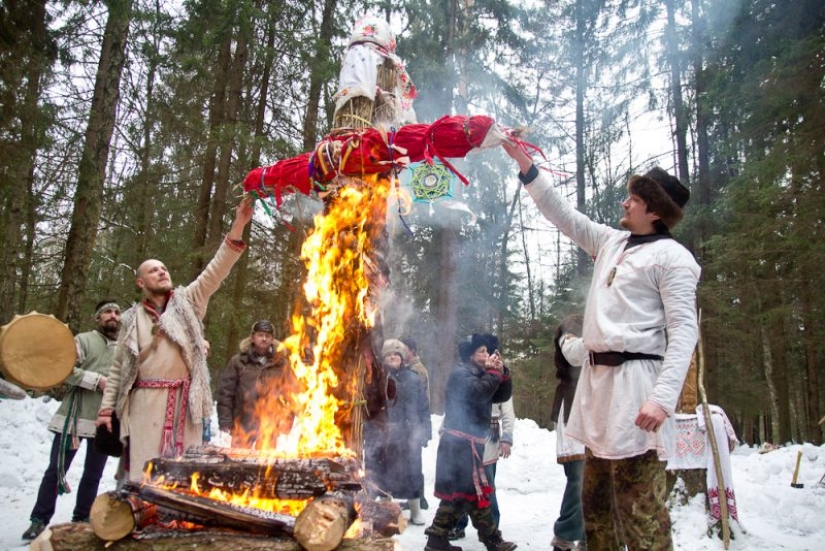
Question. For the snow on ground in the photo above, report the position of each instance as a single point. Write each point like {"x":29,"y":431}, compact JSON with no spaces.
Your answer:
{"x":530,"y":484}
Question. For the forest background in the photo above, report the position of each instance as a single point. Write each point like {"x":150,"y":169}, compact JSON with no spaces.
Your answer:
{"x":126,"y":124}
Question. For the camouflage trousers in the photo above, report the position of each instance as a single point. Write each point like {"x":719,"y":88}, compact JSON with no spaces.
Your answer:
{"x":449,"y":513}
{"x":624,"y":504}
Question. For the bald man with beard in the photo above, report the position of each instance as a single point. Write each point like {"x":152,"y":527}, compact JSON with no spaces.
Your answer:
{"x":159,"y":384}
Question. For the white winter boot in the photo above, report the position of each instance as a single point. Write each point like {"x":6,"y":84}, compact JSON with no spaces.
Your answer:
{"x":415,"y":512}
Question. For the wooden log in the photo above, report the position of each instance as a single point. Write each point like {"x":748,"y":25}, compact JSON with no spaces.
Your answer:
{"x":268,"y":476}
{"x":79,"y":535}
{"x":381,"y":517}
{"x":115,"y":515}
{"x":324,"y":521}
{"x":209,"y":512}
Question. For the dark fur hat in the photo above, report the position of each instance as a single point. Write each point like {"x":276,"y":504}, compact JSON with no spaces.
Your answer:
{"x":264,"y":326}
{"x":662,"y":193}
{"x":476,"y":341}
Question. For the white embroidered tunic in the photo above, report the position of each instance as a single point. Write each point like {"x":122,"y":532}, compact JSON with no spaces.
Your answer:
{"x":641,"y":300}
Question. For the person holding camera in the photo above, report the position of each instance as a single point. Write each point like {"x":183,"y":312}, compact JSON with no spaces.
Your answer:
{"x":475,"y":384}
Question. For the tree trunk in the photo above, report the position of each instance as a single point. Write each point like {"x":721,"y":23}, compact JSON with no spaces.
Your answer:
{"x":502,"y":267}
{"x":242,"y":266}
{"x":581,"y":88}
{"x":322,"y":524}
{"x":217,"y":106}
{"x":92,"y":171}
{"x":319,"y":73}
{"x":269,"y":477}
{"x":778,"y":342}
{"x":702,"y":141}
{"x":531,"y":294}
{"x":147,"y":181}
{"x":446,"y":313}
{"x":228,"y":133}
{"x":113,"y":518}
{"x":30,"y":58}
{"x":679,"y":112}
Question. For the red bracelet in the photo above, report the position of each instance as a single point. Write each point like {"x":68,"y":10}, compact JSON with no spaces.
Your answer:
{"x":105,"y":413}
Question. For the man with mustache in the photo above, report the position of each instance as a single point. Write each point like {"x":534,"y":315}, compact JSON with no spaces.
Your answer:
{"x":159,"y":383}
{"x":640,"y":329}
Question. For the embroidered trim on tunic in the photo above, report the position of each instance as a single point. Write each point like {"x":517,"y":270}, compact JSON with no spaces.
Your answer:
{"x":171,"y":441}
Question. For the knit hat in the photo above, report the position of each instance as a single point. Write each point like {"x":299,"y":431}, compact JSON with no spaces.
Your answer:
{"x":264,"y":326}
{"x":662,"y":193}
{"x":393,"y":346}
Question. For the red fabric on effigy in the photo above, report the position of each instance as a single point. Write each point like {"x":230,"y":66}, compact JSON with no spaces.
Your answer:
{"x":373,"y":151}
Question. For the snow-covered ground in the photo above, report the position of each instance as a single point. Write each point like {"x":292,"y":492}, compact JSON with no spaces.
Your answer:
{"x":773,"y":515}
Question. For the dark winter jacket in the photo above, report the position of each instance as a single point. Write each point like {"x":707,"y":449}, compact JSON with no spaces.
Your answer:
{"x":246,"y":380}
{"x":398,"y":469}
{"x":469,"y":394}
{"x":469,"y":397}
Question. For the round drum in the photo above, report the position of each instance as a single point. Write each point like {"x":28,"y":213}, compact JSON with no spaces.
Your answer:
{"x":36,"y":351}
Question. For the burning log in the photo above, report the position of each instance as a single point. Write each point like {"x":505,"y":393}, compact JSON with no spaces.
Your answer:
{"x":322,"y":524}
{"x":209,"y":512}
{"x":385,"y":517}
{"x":268,"y":476}
{"x":117,"y":514}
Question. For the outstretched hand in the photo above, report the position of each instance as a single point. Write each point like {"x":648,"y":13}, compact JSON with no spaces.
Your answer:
{"x":243,"y":214}
{"x":245,"y":210}
{"x":524,"y":161}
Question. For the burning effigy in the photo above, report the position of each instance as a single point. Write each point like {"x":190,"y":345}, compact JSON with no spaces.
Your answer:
{"x":316,"y":471}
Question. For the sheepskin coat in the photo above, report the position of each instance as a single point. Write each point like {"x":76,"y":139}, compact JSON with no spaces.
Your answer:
{"x":178,"y":352}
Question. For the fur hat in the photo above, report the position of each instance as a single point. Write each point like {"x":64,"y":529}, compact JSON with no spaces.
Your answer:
{"x":393,"y":346}
{"x":662,"y":193}
{"x":409,"y":342}
{"x":476,"y":341}
{"x":264,"y":326}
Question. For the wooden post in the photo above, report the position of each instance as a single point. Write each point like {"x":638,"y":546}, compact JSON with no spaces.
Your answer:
{"x":717,"y":463}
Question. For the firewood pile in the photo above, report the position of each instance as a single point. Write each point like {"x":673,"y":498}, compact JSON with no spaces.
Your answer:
{"x":268,"y":475}
{"x":177,"y":499}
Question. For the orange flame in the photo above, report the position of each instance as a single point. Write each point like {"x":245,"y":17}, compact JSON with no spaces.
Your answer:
{"x":340,"y":272}
{"x":339,"y":276}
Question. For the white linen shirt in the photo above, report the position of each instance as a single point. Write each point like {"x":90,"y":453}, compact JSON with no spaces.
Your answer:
{"x":640,"y":300}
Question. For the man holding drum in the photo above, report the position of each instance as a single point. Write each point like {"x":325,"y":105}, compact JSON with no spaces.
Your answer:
{"x":75,"y":421}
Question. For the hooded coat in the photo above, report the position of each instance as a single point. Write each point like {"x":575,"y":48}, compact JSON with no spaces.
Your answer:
{"x":398,"y":468}
{"x":247,"y":380}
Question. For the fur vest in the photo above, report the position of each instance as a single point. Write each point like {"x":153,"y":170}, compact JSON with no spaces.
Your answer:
{"x":182,"y":325}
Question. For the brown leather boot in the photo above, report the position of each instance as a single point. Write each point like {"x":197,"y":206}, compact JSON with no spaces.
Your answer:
{"x":440,"y":543}
{"x":495,"y":543}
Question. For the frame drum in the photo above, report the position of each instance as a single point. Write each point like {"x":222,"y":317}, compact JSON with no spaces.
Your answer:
{"x":37,"y":351}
